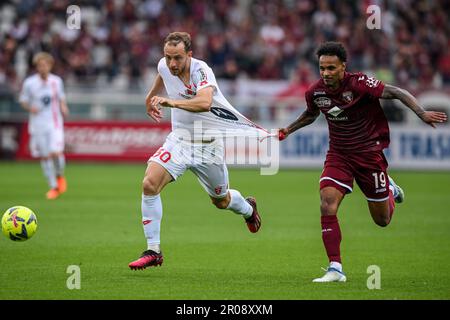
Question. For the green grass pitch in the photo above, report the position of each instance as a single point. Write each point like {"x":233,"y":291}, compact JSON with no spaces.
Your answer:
{"x":209,"y":254}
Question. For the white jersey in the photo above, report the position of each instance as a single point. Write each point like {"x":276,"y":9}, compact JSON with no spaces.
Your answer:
{"x":223,"y":116}
{"x":45,"y":96}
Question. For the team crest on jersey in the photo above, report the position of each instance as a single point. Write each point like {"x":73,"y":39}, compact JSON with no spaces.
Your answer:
{"x":189,"y":92}
{"x":322,"y":102}
{"x":347,"y":96}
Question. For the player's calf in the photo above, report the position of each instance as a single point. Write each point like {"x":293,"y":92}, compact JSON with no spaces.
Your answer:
{"x":221,"y":203}
{"x":382,"y":221}
{"x":381,"y":212}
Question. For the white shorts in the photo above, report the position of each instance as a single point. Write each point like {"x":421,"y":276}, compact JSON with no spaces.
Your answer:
{"x":46,"y":142}
{"x":205,"y":160}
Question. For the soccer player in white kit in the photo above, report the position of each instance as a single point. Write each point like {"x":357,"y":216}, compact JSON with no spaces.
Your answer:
{"x":43,"y":97}
{"x":192,"y":90}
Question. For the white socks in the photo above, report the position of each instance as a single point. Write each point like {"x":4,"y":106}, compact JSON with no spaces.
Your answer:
{"x":239,"y":205}
{"x":336,"y":265}
{"x":151,"y":219}
{"x":60,"y":164}
{"x":49,"y":172}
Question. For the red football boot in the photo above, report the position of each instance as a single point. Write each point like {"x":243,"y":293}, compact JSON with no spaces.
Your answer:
{"x":149,"y":258}
{"x":254,"y":222}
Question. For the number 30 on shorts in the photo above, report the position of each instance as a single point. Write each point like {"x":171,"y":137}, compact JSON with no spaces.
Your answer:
{"x":163,"y":155}
{"x":380,"y":179}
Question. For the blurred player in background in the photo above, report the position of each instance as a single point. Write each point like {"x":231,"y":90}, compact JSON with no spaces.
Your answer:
{"x":43,"y":97}
{"x":192,"y":91}
{"x":358,"y":132}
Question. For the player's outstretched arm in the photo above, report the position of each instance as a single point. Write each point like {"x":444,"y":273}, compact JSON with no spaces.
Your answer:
{"x":64,"y":108}
{"x":154,"y":111}
{"x":200,"y":103}
{"x":429,"y":117}
{"x":306,"y":118}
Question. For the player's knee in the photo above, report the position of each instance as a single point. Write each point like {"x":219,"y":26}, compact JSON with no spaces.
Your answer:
{"x":328,"y":207}
{"x":220,"y":203}
{"x":150,"y":188}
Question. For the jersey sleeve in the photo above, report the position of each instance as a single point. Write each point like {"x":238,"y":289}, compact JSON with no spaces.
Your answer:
{"x":369,"y":85}
{"x":161,"y":63}
{"x":310,"y":105}
{"x":61,"y":92}
{"x":25,"y":93}
{"x":203,"y":77}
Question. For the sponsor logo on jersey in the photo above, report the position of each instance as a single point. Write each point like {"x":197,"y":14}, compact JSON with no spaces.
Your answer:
{"x":347,"y":96}
{"x":322,"y":102}
{"x":203,"y":77}
{"x":224,"y":113}
{"x":338,"y":119}
{"x":335,"y":111}
{"x":316,"y":93}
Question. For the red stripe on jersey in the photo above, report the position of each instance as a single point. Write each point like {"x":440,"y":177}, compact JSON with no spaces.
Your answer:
{"x":55,"y":104}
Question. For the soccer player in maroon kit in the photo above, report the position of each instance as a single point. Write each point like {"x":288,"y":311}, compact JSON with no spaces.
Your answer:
{"x":358,"y":132}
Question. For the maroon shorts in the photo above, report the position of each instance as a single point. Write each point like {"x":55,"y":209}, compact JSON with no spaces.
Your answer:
{"x":367,"y":168}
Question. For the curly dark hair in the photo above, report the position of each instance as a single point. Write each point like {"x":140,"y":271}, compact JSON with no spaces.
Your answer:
{"x":332,"y":48}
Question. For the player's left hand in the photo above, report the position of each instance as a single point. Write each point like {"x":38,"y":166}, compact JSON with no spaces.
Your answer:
{"x":163,"y":102}
{"x":432,"y":117}
{"x":154,"y":108}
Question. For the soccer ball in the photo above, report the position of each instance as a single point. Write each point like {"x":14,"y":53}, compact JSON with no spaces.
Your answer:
{"x":19,"y":223}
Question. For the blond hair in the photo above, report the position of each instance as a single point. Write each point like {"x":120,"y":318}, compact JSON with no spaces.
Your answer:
{"x":43,"y":56}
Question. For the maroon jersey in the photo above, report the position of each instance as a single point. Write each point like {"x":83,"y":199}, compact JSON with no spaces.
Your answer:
{"x":356,"y":121}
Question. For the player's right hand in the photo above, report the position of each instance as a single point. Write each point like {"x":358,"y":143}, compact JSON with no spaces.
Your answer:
{"x":153,"y":110}
{"x":282,"y":134}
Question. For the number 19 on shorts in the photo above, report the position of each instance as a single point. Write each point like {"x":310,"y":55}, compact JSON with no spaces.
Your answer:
{"x":379,"y":179}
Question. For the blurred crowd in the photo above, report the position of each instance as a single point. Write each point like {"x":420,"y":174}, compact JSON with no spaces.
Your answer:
{"x":120,"y":41}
